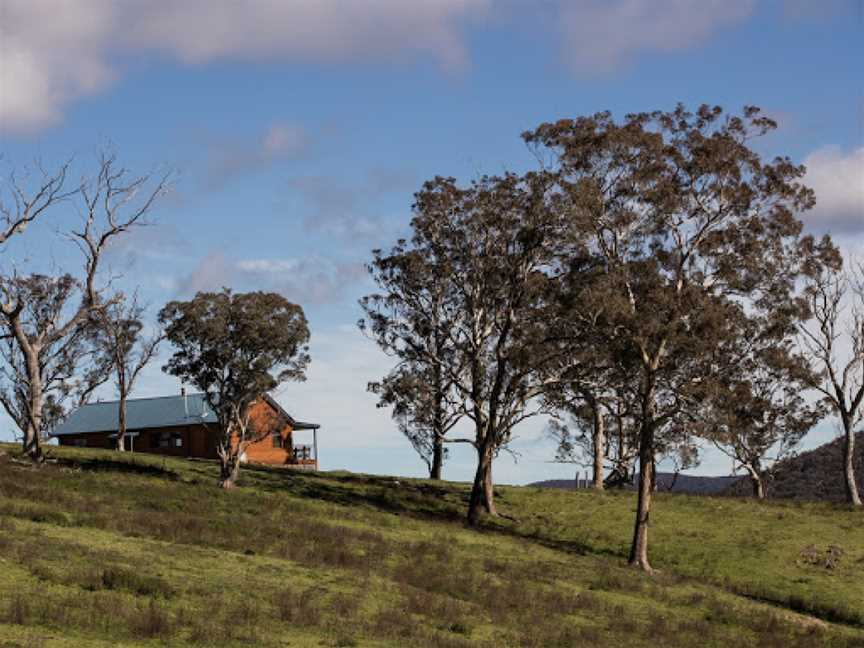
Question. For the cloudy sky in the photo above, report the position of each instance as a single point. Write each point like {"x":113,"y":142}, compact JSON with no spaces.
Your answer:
{"x":299,"y":130}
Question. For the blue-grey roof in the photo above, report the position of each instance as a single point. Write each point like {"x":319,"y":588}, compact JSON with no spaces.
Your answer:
{"x":141,"y":413}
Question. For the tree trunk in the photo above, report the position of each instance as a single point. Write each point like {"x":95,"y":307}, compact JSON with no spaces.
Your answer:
{"x":437,"y":458}
{"x":756,"y":481}
{"x":489,"y":491}
{"x":32,"y":445}
{"x":229,"y":469}
{"x":121,"y":423}
{"x":852,"y":494}
{"x":482,"y":494}
{"x":33,"y":431}
{"x":639,"y":548}
{"x":599,"y":445}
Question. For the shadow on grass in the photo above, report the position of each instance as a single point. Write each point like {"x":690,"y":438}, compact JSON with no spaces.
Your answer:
{"x":412,"y":498}
{"x":108,"y":464}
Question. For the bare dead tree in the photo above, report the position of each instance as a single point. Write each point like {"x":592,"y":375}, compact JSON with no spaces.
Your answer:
{"x":111,"y":203}
{"x":24,"y":205}
{"x":834,"y":343}
{"x":119,"y":329}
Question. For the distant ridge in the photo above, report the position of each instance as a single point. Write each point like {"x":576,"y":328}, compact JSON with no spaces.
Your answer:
{"x":813,"y":475}
{"x":692,"y":484}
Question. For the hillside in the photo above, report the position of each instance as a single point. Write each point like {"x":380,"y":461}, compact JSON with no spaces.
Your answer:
{"x":813,"y":475}
{"x":101,"y":550}
{"x":692,"y":484}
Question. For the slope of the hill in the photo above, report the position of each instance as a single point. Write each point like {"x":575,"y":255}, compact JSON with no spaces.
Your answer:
{"x":100,"y":549}
{"x":813,"y":475}
{"x":691,"y":484}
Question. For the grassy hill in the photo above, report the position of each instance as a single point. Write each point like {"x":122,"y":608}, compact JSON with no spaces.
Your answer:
{"x":99,"y":550}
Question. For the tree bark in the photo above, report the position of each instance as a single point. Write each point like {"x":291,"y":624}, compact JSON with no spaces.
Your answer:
{"x":121,"y":423}
{"x":33,"y":432}
{"x":639,"y":548}
{"x":756,"y":481}
{"x":437,"y":458}
{"x":482,"y":493}
{"x":599,"y":445}
{"x":489,"y":490}
{"x":229,"y":469}
{"x":852,"y":494}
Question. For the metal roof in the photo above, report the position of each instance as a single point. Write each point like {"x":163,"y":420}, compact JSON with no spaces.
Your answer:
{"x":143,"y":413}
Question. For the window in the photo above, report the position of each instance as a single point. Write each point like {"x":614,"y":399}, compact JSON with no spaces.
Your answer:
{"x":277,"y":439}
{"x":166,"y":440}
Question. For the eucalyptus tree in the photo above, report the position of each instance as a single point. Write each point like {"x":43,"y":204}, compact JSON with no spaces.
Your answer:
{"x":65,"y":361}
{"x":235,"y":347}
{"x":425,"y":408}
{"x":119,"y":334}
{"x":759,"y":411}
{"x":409,"y":317}
{"x":496,"y":235}
{"x":834,"y":344}
{"x":690,"y":224}
{"x":110,"y":202}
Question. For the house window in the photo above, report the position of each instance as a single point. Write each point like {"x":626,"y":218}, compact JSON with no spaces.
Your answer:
{"x":277,"y":439}
{"x":165,"y":440}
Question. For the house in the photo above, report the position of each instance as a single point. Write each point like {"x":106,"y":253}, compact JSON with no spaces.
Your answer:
{"x":185,"y":426}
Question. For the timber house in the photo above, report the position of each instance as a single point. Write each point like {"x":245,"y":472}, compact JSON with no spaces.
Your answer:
{"x":185,"y":426}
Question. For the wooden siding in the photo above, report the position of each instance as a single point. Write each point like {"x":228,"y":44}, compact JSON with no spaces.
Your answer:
{"x":200,"y":440}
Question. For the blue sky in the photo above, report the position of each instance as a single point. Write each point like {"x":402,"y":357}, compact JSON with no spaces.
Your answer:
{"x":300,"y":129}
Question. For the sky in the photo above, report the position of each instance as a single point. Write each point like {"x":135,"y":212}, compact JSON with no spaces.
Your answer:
{"x":298,"y":130}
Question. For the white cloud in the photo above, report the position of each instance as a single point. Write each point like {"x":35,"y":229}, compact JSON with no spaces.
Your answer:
{"x":199,"y":31}
{"x":336,"y":207}
{"x":50,"y":54}
{"x":54,"y":51}
{"x":304,"y":280}
{"x":601,"y":36}
{"x":838,"y":180}
{"x":230,"y":158}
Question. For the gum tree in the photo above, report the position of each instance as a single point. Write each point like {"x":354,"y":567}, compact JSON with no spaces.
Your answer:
{"x":834,"y":344}
{"x":111,"y":202}
{"x":408,"y":317}
{"x":690,"y":224}
{"x":496,"y":235}
{"x":125,"y":349}
{"x":235,"y":348}
{"x":69,"y":364}
{"x":759,"y":412}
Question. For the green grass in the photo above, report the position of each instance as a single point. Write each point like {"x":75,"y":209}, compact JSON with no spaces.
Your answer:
{"x":100,"y":550}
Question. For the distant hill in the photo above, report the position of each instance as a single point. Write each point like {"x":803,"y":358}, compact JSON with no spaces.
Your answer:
{"x":813,"y":475}
{"x":692,"y":484}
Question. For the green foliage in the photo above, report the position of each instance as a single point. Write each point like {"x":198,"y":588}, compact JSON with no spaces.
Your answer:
{"x":234,"y":348}
{"x":239,"y":345}
{"x":100,"y":550}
